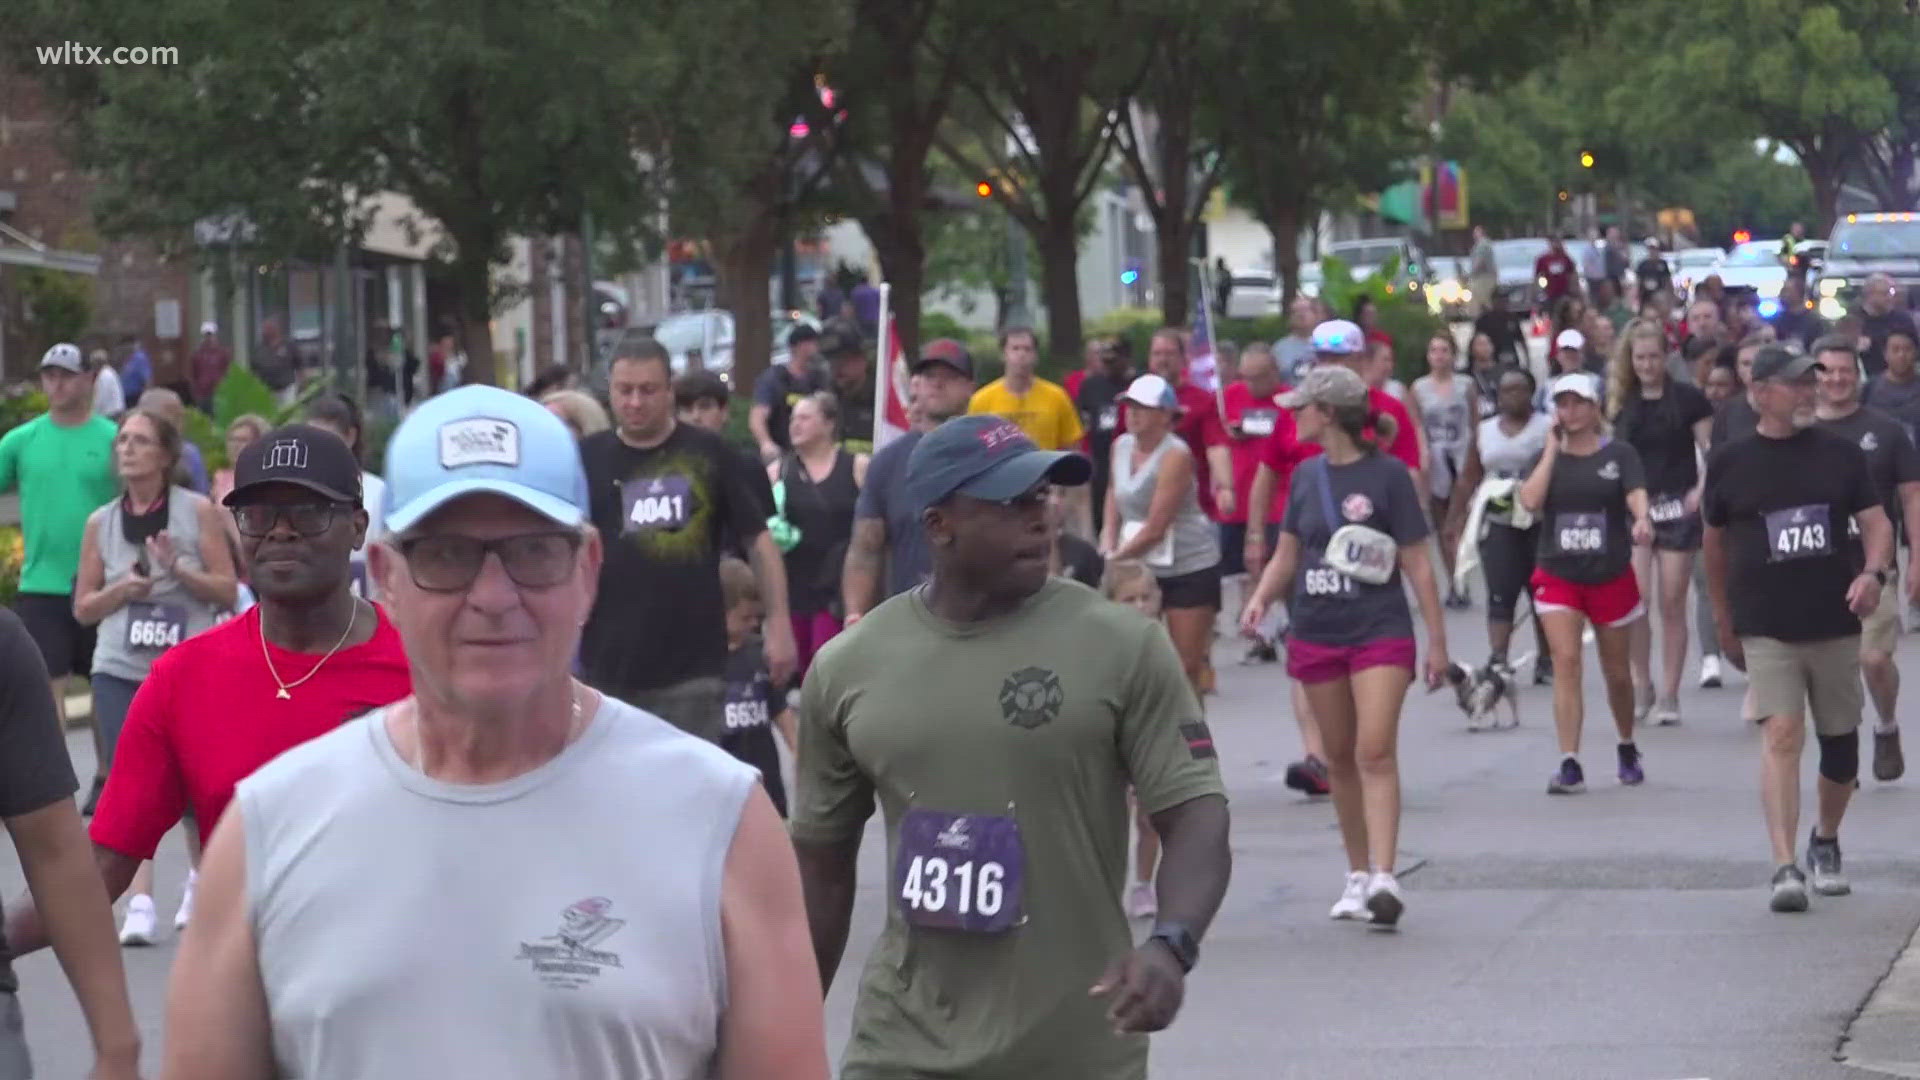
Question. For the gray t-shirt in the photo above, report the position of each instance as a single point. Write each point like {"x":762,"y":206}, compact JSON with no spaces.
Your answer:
{"x":909,"y":560}
{"x":1328,"y":607}
{"x":1898,"y":400}
{"x":565,"y":922}
{"x":1294,"y":355}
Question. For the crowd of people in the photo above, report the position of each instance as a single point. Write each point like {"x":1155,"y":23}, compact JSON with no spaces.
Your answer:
{"x":550,"y":609}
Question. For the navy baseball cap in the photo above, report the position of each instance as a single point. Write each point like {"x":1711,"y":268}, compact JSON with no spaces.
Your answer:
{"x":985,"y":457}
{"x":945,"y":351}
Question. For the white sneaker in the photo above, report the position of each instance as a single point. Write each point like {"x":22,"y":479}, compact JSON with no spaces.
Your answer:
{"x":185,"y":914}
{"x":1384,"y":901}
{"x":1353,"y":901}
{"x":1709,"y":673}
{"x":138,"y":927}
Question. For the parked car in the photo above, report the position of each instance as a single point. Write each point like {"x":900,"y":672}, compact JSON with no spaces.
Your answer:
{"x":1691,"y":265}
{"x":705,"y":338}
{"x":1864,"y":244}
{"x":1252,"y":295}
{"x":1513,"y":262}
{"x":1365,"y":257}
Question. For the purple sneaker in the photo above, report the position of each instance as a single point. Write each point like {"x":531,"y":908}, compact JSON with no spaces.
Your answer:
{"x":1630,"y":771}
{"x":1569,"y":780}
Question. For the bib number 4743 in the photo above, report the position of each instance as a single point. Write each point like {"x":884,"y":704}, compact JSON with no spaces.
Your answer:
{"x":1800,"y":532}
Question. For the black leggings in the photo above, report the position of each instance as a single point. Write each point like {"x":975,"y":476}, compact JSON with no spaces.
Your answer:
{"x":1506,"y":558}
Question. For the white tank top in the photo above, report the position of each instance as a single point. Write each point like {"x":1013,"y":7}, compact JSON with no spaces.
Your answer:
{"x":1510,"y":456}
{"x":564,"y":923}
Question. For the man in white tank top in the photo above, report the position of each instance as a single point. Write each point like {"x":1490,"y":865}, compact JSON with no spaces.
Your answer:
{"x":568,"y":886}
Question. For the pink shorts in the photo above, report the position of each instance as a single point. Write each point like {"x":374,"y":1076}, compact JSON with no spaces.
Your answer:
{"x":811,"y":629}
{"x":1310,"y":662}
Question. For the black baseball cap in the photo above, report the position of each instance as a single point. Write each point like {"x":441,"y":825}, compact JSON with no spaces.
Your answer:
{"x":301,"y":455}
{"x":986,"y":457}
{"x":803,"y":332}
{"x":1778,"y":362}
{"x":945,"y":351}
{"x":838,"y":343}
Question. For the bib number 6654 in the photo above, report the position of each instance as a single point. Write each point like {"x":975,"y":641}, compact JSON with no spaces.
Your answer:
{"x":933,"y":884}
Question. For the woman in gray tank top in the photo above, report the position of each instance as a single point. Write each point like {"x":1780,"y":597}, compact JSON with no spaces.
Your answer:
{"x":1153,"y":514}
{"x":1445,"y":405}
{"x":155,"y":569}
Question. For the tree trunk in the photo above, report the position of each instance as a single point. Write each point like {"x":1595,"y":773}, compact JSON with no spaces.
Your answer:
{"x":1282,"y":219}
{"x":1175,"y":224}
{"x":1059,"y":244}
{"x":899,"y":241}
{"x":473,"y":280}
{"x":1826,"y":191}
{"x":743,"y":266}
{"x":1173,"y":248}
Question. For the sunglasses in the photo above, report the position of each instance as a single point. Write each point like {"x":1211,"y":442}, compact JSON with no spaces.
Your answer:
{"x":306,"y":518}
{"x":451,"y":562}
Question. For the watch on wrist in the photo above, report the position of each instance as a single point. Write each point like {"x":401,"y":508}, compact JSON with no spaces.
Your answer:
{"x":1880,"y":574}
{"x":1179,"y":941}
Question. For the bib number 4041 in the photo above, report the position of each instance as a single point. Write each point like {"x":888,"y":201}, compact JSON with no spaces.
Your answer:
{"x":934,"y":885}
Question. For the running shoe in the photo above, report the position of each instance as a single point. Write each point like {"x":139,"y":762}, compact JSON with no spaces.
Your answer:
{"x":1666,"y":714}
{"x":1642,"y":704}
{"x":1888,"y":762}
{"x":1710,"y":673}
{"x":1823,"y":858}
{"x":1260,"y":652}
{"x":185,"y":914}
{"x":1459,"y":601}
{"x":1353,"y":899}
{"x":1384,"y":902}
{"x":1569,"y":780}
{"x":138,"y":927}
{"x":1630,"y":771}
{"x":1309,"y":776}
{"x":1543,"y":671}
{"x":1789,"y":889}
{"x":1141,"y":902}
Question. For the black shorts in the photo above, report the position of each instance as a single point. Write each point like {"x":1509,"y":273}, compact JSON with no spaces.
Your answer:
{"x":1200,"y":589}
{"x":1684,"y":533}
{"x":1233,"y":545}
{"x":65,"y":645}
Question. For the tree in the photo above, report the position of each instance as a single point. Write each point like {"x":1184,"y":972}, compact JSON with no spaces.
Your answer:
{"x":1041,"y":105}
{"x":495,"y":118}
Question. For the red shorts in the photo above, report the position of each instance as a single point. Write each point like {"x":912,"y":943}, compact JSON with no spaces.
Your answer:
{"x":1311,"y":662}
{"x":1614,"y":603}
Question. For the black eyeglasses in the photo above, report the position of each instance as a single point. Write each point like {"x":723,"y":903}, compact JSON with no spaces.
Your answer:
{"x":307,"y":518}
{"x":451,"y":563}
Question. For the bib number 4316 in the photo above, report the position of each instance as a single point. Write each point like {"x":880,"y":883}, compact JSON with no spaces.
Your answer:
{"x":964,"y":872}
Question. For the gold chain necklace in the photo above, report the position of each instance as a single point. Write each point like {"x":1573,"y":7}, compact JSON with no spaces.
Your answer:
{"x":282,"y":693}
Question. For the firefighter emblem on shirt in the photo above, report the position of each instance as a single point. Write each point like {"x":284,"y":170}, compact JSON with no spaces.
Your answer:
{"x":1031,"y":697}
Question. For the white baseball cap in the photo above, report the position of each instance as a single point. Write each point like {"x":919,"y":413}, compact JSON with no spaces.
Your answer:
{"x":1153,"y":392}
{"x":1578,"y":383}
{"x":1338,"y":337}
{"x":65,"y":357}
{"x":1570,"y":339}
{"x":209,"y":327}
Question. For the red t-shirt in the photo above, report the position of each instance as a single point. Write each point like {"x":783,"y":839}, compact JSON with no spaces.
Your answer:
{"x":207,"y":717}
{"x":1256,"y":424}
{"x":1406,"y":442}
{"x":1199,"y":427}
{"x":1284,"y":451}
{"x":1558,"y":270}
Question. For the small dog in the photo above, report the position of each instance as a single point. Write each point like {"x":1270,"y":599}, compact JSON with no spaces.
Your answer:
{"x":1480,"y":691}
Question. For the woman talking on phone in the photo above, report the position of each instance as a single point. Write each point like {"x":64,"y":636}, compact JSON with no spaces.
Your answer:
{"x":1590,"y":495}
{"x":1354,"y":524}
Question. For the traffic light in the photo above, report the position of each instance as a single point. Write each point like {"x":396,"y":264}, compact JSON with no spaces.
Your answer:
{"x":984,"y":189}
{"x":1741,"y":236}
{"x":1586,"y":159}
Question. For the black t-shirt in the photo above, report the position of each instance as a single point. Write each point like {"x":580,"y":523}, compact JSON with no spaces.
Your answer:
{"x":1661,"y":430}
{"x":1781,"y":502}
{"x":1503,"y":329}
{"x":856,"y":419}
{"x":731,"y":542}
{"x":1080,"y":560}
{"x":779,"y":389}
{"x":1652,"y":274}
{"x":1099,"y":406}
{"x":752,"y":703}
{"x":663,"y":514}
{"x":1587,"y":530}
{"x":1876,"y":328}
{"x":35,"y":772}
{"x":1891,"y":459}
{"x":1734,"y":420}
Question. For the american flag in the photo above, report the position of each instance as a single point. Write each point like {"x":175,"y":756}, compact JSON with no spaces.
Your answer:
{"x":890,"y":419}
{"x":1203,"y":369}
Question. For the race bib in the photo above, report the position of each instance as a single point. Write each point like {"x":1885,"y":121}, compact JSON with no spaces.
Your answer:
{"x":963,"y":872}
{"x":1800,"y":532}
{"x":155,"y":626}
{"x":659,"y":503}
{"x":1160,"y":555}
{"x":1109,"y":418}
{"x":1325,"y":581}
{"x":746,"y":705}
{"x":1667,"y":510}
{"x":1580,"y":534}
{"x":1257,"y":422}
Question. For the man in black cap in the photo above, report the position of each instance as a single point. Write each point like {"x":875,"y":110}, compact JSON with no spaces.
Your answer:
{"x":299,"y":663}
{"x":850,"y":380}
{"x":1003,"y":771}
{"x":1788,"y":595}
{"x":886,"y":523}
{"x":778,"y":388}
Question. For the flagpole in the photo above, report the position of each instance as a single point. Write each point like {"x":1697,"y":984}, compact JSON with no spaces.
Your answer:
{"x":882,"y":366}
{"x":1213,"y":338}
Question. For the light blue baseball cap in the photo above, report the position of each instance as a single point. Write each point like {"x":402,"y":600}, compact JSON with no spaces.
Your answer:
{"x":482,"y":439}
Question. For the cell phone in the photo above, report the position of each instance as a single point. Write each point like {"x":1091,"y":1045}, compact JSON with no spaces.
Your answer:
{"x":140,"y":566}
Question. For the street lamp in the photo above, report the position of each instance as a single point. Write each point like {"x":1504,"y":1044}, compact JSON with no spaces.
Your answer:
{"x":1586,"y":159}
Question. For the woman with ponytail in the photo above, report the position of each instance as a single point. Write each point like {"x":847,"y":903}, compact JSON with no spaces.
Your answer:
{"x":1354,"y":524}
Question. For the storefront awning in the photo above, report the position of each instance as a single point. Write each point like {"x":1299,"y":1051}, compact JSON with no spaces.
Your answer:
{"x":19,"y":249}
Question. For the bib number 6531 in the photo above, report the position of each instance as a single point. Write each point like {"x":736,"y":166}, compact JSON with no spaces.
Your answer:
{"x":964,"y":872}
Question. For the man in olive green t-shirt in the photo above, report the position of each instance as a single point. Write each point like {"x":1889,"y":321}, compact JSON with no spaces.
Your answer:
{"x":1000,"y":717}
{"x":62,"y":463}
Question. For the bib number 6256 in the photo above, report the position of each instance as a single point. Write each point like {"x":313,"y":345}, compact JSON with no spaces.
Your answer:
{"x":964,"y":872}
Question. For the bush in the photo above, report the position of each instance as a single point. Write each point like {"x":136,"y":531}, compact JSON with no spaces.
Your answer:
{"x":20,"y":403}
{"x":1404,"y":314}
{"x":13,"y":552}
{"x":58,"y":306}
{"x":241,"y":392}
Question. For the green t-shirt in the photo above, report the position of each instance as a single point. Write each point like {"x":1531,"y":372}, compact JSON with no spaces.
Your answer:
{"x":1046,"y":715}
{"x":64,"y":474}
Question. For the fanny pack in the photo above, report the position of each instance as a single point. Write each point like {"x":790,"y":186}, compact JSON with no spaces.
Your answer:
{"x":1361,"y":552}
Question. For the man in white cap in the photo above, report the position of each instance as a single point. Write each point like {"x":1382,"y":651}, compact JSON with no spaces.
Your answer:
{"x":568,"y":886}
{"x":209,"y":365}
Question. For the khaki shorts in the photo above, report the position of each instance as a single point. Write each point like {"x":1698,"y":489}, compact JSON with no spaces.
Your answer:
{"x":1880,"y":631}
{"x":1785,"y":678}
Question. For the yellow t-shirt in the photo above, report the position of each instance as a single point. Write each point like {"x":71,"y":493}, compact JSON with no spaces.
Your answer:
{"x":1044,"y":412}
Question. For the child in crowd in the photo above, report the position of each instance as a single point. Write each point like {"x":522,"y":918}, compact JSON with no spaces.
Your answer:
{"x":754,"y":705}
{"x":1131,"y":582}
